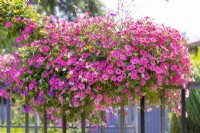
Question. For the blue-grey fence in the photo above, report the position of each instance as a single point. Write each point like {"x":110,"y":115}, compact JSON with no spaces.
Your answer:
{"x":132,"y":121}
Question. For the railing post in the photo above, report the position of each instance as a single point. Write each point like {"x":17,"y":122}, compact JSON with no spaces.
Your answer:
{"x":163,"y":112}
{"x":64,"y":124}
{"x":8,"y":116}
{"x":184,"y":129}
{"x":26,"y":122}
{"x":142,"y":120}
{"x":122,"y":117}
{"x":45,"y":122}
{"x":83,"y":122}
{"x":103,"y":122}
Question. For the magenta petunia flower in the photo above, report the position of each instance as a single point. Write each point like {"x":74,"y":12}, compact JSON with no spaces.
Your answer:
{"x":110,"y":71}
{"x":30,"y":72}
{"x":45,"y":49}
{"x":118,"y":71}
{"x":114,"y":78}
{"x":116,"y":54}
{"x":81,"y":86}
{"x":31,"y":85}
{"x":154,"y":87}
{"x":143,"y":61}
{"x":119,"y":78}
{"x":8,"y":24}
{"x":99,"y":97}
{"x":76,"y":104}
{"x":128,"y":47}
{"x":104,"y":77}
{"x":19,"y":39}
{"x":135,"y":60}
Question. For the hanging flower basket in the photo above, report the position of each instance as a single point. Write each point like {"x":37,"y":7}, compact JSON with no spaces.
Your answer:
{"x":64,"y":67}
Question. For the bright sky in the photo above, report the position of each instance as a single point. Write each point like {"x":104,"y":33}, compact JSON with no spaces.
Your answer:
{"x":183,"y":15}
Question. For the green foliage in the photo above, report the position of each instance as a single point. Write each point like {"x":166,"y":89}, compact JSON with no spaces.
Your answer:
{"x":7,"y":45}
{"x":193,"y":107}
{"x":175,"y":123}
{"x":193,"y":102}
{"x":196,"y":65}
{"x":18,"y":8}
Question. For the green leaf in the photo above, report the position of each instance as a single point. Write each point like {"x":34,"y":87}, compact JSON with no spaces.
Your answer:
{"x":119,"y":88}
{"x":62,"y":77}
{"x":133,"y":86}
{"x":9,"y":36}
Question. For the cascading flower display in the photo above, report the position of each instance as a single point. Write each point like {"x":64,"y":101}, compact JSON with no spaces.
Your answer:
{"x":64,"y":67}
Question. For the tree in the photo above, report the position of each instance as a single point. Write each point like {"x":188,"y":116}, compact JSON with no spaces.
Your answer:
{"x":68,"y":9}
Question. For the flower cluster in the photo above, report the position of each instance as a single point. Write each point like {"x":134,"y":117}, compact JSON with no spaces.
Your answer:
{"x":5,"y":61}
{"x":12,"y":12}
{"x":96,"y":63}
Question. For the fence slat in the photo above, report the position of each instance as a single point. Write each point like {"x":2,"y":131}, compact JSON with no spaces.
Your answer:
{"x":183,"y":120}
{"x":45,"y":122}
{"x":26,"y":122}
{"x":64,"y":130}
{"x":8,"y":116}
{"x":122,"y":118}
{"x":103,"y":122}
{"x":142,"y":122}
{"x":163,"y":112}
{"x":36,"y":123}
{"x":2,"y":106}
{"x":83,"y":122}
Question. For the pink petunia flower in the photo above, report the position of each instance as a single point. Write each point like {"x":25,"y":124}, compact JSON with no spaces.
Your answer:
{"x":8,"y":24}
{"x":118,"y":71}
{"x":81,"y":86}
{"x":104,"y":77}
{"x":19,"y":39}
{"x":76,"y":104}
{"x":114,"y":78}
{"x":154,"y":87}
{"x":135,"y":60}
